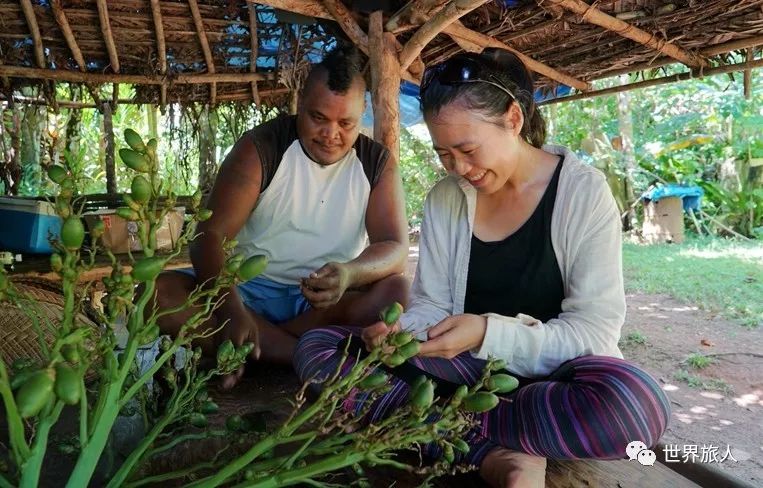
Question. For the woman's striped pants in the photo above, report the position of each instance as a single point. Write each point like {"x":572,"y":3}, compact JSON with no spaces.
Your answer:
{"x":591,"y":407}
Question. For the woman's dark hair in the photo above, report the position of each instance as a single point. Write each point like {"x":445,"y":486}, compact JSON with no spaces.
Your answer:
{"x":342,"y":65}
{"x":485,"y":89}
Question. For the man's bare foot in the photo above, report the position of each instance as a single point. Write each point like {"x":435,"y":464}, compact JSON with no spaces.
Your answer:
{"x":503,"y":468}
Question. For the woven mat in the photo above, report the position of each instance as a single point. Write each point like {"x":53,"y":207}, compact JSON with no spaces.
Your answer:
{"x":18,"y":335}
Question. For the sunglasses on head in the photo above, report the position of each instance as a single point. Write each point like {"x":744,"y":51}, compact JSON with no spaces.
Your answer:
{"x":462,"y":69}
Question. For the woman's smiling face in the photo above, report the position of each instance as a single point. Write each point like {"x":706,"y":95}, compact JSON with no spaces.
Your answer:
{"x":470,"y":145}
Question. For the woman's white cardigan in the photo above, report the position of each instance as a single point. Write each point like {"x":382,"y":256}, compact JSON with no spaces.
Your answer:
{"x":585,"y":234}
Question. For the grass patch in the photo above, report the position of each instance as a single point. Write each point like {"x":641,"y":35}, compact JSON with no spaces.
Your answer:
{"x":718,"y":275}
{"x":633,"y":338}
{"x":698,"y":360}
{"x":694,"y":381}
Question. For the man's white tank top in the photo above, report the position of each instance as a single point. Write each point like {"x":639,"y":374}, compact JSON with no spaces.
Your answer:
{"x":308,"y":214}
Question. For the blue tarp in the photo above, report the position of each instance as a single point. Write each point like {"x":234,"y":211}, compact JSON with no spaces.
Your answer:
{"x":690,"y":195}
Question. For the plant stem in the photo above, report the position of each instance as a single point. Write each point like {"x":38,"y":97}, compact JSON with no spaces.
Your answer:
{"x":15,"y":426}
{"x":135,"y":456}
{"x":4,"y":483}
{"x":294,"y":476}
{"x":82,"y":413}
{"x":181,"y":473}
{"x":30,"y":472}
{"x":103,"y":423}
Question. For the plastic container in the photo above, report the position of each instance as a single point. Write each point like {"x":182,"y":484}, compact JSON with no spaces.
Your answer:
{"x":27,"y":225}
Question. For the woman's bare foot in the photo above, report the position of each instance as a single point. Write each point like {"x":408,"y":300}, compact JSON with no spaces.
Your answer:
{"x":503,"y":468}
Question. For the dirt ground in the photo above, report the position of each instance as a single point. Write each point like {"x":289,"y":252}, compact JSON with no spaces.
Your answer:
{"x":723,"y":405}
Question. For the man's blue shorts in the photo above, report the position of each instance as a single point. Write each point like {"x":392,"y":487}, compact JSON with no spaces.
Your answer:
{"x":274,"y":301}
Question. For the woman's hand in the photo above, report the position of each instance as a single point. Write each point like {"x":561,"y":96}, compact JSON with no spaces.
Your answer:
{"x":374,"y":334}
{"x":454,"y":335}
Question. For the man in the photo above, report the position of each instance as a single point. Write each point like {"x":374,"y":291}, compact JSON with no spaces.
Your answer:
{"x":305,"y":191}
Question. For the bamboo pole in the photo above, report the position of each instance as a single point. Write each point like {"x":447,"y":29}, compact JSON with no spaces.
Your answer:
{"x":66,"y":30}
{"x":442,"y":19}
{"x":255,"y":46}
{"x":385,"y":84}
{"x":204,"y":47}
{"x":34,"y":29}
{"x":687,"y":75}
{"x":108,"y":37}
{"x":592,"y":15}
{"x":457,"y":29}
{"x":79,"y":77}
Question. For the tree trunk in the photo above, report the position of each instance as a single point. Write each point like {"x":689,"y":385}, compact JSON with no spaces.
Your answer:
{"x":108,"y":132}
{"x":153,"y":122}
{"x":32,"y":126}
{"x":207,"y":148}
{"x":625,"y":120}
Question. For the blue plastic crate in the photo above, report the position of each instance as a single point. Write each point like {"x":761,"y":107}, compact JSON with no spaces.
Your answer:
{"x":27,"y":225}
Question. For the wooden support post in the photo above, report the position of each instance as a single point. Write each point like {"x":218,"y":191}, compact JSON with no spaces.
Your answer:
{"x":591,"y":14}
{"x":385,"y":84}
{"x":255,"y":46}
{"x":748,"y":75}
{"x":204,"y":47}
{"x":108,"y":37}
{"x":452,"y":12}
{"x":108,"y":130}
{"x":34,"y":29}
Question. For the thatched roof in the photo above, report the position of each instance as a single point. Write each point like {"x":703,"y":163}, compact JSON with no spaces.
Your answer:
{"x":202,"y":49}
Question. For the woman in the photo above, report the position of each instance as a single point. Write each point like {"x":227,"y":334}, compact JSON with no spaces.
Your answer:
{"x":520,"y":258}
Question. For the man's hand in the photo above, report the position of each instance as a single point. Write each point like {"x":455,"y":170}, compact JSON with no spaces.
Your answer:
{"x":241,"y":328}
{"x":374,"y":334}
{"x":454,"y":335}
{"x":326,"y":286}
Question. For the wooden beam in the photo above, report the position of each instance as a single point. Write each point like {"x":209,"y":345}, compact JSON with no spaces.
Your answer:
{"x":410,"y":14}
{"x":161,"y":47}
{"x":346,"y":21}
{"x":129,"y":101}
{"x":108,"y":37}
{"x":595,"y":16}
{"x":34,"y":29}
{"x":385,"y":84}
{"x":204,"y":47}
{"x":442,"y":19}
{"x":253,"y":42}
{"x":310,"y":8}
{"x":314,"y":8}
{"x":709,"y":51}
{"x":457,"y":29}
{"x":66,"y":30}
{"x":79,"y":77}
{"x":687,"y":75}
